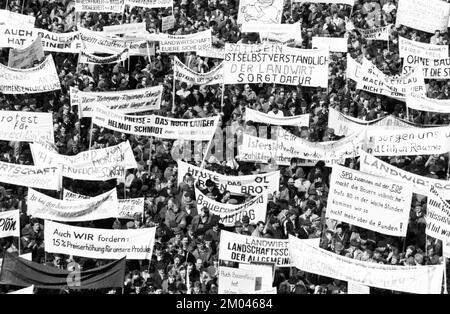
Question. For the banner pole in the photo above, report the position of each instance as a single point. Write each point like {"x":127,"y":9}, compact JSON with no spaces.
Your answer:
{"x":445,"y":274}
{"x":174,"y":82}
{"x":90,"y":135}
{"x":23,"y":5}
{"x":407,"y":112}
{"x":223,"y":94}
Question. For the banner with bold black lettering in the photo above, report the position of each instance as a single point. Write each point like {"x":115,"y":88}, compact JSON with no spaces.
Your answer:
{"x":25,"y":126}
{"x":409,"y":47}
{"x":432,"y":68}
{"x":113,"y":6}
{"x":422,"y":103}
{"x":25,"y":58}
{"x":424,"y":15}
{"x":257,"y":116}
{"x":437,"y":216}
{"x":46,"y":177}
{"x":90,"y":58}
{"x":186,"y":43}
{"x":10,"y":223}
{"x":185,"y":74}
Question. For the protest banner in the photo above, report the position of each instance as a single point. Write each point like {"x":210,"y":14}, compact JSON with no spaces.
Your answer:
{"x":269,"y":63}
{"x":127,"y":208}
{"x":247,"y":184}
{"x":266,"y":274}
{"x":246,"y":249}
{"x":282,"y":33}
{"x":412,"y":141}
{"x":99,"y":243}
{"x":17,"y":37}
{"x":421,"y":185}
{"x":437,"y":216}
{"x":10,"y":223}
{"x":126,"y":101}
{"x":379,"y":33}
{"x":257,"y":116}
{"x":237,"y":281}
{"x":86,"y":57}
{"x":432,"y":68}
{"x":25,"y":58}
{"x":28,"y":290}
{"x":26,"y":126}
{"x":10,"y":18}
{"x":185,"y":74}
{"x":265,"y":12}
{"x":39,"y":79}
{"x":353,"y":69}
{"x":95,"y":165}
{"x":422,"y":103}
{"x":202,"y":129}
{"x":151,"y":4}
{"x":412,"y":279}
{"x":186,"y":43}
{"x":113,"y":6}
{"x":167,"y":23}
{"x":45,"y":207}
{"x":255,"y":209}
{"x":211,"y":52}
{"x":409,"y":47}
{"x":330,"y":43}
{"x":256,"y":149}
{"x":424,"y":15}
{"x":369,"y":201}
{"x":355,"y":288}
{"x":128,"y":28}
{"x":48,"y":178}
{"x":347,"y":2}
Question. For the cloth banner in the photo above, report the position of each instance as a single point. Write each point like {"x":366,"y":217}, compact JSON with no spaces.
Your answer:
{"x":247,"y":184}
{"x":424,"y":15}
{"x":25,"y":58}
{"x":211,"y":52}
{"x":167,"y":23}
{"x":85,"y":57}
{"x":128,"y":28}
{"x":257,"y":149}
{"x":412,"y":141}
{"x":369,"y":201}
{"x":150,"y":3}
{"x":20,"y":272}
{"x":237,"y":281}
{"x":412,"y":279}
{"x":380,"y":33}
{"x":257,"y":116}
{"x":268,"y":63}
{"x":432,"y":68}
{"x":28,"y":290}
{"x":46,"y":177}
{"x":185,"y":74}
{"x":437,"y":216}
{"x":246,"y":249}
{"x":265,"y":12}
{"x":353,"y":69}
{"x":282,"y":33}
{"x":26,"y":126}
{"x":409,"y":47}
{"x":330,"y":43}
{"x":355,"y":288}
{"x":421,"y":185}
{"x":255,"y":209}
{"x":127,"y":101}
{"x":151,"y":125}
{"x":422,"y":103}
{"x":16,"y":19}
{"x":39,"y":79}
{"x":186,"y":43}
{"x":10,"y":223}
{"x":113,"y":6}
{"x":347,"y":2}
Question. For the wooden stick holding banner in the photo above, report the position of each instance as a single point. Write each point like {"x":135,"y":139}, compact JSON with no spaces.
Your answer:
{"x":23,"y":5}
{"x":445,"y":274}
{"x":174,"y":82}
{"x":90,"y":133}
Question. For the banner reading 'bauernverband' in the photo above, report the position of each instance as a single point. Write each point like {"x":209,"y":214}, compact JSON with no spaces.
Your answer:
{"x":42,"y":78}
{"x":185,"y":74}
{"x":186,"y":43}
{"x":257,"y":116}
{"x":255,"y":209}
{"x":127,"y":101}
{"x":158,"y":126}
{"x":26,"y":126}
{"x":275,"y":64}
{"x":422,"y":103}
{"x":99,"y":243}
{"x":412,"y":279}
{"x":47,"y":177}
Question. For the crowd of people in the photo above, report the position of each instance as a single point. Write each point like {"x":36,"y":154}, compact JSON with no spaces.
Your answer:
{"x":185,"y":255}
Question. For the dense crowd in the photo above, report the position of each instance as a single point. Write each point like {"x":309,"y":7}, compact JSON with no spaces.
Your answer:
{"x":185,"y":257}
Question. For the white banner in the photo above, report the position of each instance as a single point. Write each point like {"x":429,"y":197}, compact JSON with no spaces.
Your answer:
{"x":185,"y":74}
{"x":275,"y":64}
{"x":353,"y":69}
{"x":236,"y":280}
{"x":167,"y":23}
{"x":424,"y":15}
{"x":409,"y":47}
{"x":211,"y":52}
{"x":255,"y":209}
{"x":28,"y":290}
{"x":275,"y":32}
{"x":246,"y":249}
{"x":128,"y":28}
{"x":432,"y":68}
{"x":150,"y":3}
{"x":256,"y":149}
{"x":380,"y":33}
{"x":45,"y":207}
{"x":412,"y":279}
{"x":48,"y":178}
{"x":257,"y":116}
{"x":86,"y":57}
{"x":347,"y":2}
{"x":26,"y":126}
{"x":99,"y":243}
{"x":25,"y":58}
{"x":355,"y":288}
{"x":404,"y":142}
{"x":151,"y":125}
{"x":369,"y":201}
{"x":113,"y":6}
{"x":437,"y":216}
{"x":266,"y":272}
{"x":333,"y":44}
{"x":10,"y":223}
{"x":265,"y":12}
{"x":186,"y":43}
{"x":422,"y":103}
{"x":421,"y":185}
{"x":42,"y":78}
{"x":127,"y":101}
{"x":16,"y":19}
{"x":249,"y":184}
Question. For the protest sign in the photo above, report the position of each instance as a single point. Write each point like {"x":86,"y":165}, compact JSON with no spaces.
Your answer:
{"x":353,"y":69}
{"x":25,"y":58}
{"x":255,"y":209}
{"x":17,"y":37}
{"x":380,"y":33}
{"x":265,"y":12}
{"x":150,"y":3}
{"x":151,"y":125}
{"x":185,"y":74}
{"x":432,"y":68}
{"x":128,"y":28}
{"x":437,"y":216}
{"x":39,"y":79}
{"x":127,"y":208}
{"x":211,"y":52}
{"x":424,"y":15}
{"x":409,"y":47}
{"x":10,"y":223}
{"x":412,"y":141}
{"x":45,"y":207}
{"x":247,"y":184}
{"x":48,"y":178}
{"x":186,"y":43}
{"x":269,"y":63}
{"x":167,"y":23}
{"x":347,"y":2}
{"x":369,"y":201}
{"x":265,"y":272}
{"x":275,"y":32}
{"x":257,"y":116}
{"x":26,"y":126}
{"x":113,"y":6}
{"x":236,"y":280}
{"x":355,"y":288}
{"x":246,"y":249}
{"x":256,"y":149}
{"x":422,"y":103}
{"x":126,"y":101}
{"x":99,"y":243}
{"x":333,"y":44}
{"x":86,"y":57}
{"x":421,"y":185}
{"x":10,"y":18}
{"x":412,"y":279}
